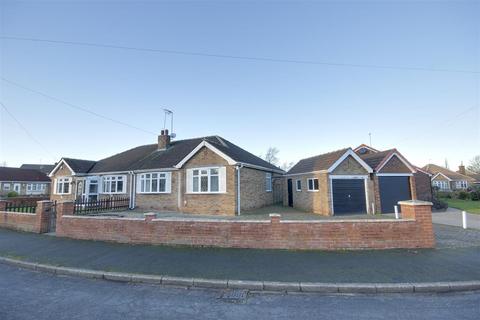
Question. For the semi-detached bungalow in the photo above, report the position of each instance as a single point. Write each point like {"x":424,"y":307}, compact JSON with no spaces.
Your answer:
{"x":208,"y":175}
{"x":24,"y":182}
{"x":361,"y":180}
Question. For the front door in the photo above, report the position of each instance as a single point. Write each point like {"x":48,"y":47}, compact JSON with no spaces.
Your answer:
{"x":290,"y":193}
{"x":90,"y":189}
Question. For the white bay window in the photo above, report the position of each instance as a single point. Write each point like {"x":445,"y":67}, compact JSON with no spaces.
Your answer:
{"x":206,"y":180}
{"x":154,"y":182}
{"x":62,"y":185}
{"x":114,"y":184}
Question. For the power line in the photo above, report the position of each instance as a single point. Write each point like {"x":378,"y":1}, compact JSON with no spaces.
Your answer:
{"x":238,"y":57}
{"x":74,"y":106}
{"x":27,"y":132}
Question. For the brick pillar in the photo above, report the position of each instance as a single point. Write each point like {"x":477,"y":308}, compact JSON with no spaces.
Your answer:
{"x":275,"y":217}
{"x":43,"y":215}
{"x":150,"y":216}
{"x":3,"y":205}
{"x":64,"y":208}
{"x":421,"y":212}
{"x":376,"y":188}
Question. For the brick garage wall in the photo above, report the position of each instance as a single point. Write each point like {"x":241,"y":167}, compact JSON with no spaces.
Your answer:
{"x":415,"y":231}
{"x":423,"y":186}
{"x":315,"y":202}
{"x":30,"y":222}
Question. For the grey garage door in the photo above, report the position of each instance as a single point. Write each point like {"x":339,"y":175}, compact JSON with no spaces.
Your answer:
{"x":392,"y":190}
{"x":348,"y":196}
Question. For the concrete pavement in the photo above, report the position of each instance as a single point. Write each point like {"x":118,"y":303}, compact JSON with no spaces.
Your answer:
{"x":453,"y":217}
{"x":32,"y":295}
{"x":456,"y":260}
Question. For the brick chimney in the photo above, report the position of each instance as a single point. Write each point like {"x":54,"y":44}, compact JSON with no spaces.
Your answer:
{"x":461,"y":169}
{"x":163,"y":140}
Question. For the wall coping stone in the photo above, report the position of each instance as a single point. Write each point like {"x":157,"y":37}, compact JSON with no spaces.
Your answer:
{"x":21,"y":213}
{"x":415,"y":203}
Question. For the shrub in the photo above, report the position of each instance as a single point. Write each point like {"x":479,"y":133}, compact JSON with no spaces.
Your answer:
{"x":475,"y":195}
{"x":463,"y":195}
{"x":439,"y":204}
{"x":444,"y":194}
{"x":12,"y":194}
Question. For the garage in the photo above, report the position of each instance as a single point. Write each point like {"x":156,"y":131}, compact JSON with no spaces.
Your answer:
{"x":393,"y":189}
{"x":348,"y":196}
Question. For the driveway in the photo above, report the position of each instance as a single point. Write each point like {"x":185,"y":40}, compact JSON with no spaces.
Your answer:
{"x":39,"y":296}
{"x":453,"y":217}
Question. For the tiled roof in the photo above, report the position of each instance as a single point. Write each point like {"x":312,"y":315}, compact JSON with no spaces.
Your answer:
{"x":149,"y":157}
{"x":78,"y":165}
{"x":317,"y":163}
{"x":45,"y":168}
{"x":374,"y":159}
{"x":434,"y":169}
{"x":18,"y":174}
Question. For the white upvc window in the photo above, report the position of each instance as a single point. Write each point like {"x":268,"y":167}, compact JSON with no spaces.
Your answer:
{"x":62,"y":185}
{"x":441,"y":184}
{"x":114,"y":184}
{"x":6,"y":187}
{"x":17,"y":187}
{"x":206,"y":180}
{"x":312,"y":184}
{"x":154,"y":182}
{"x":461,"y":184}
{"x":268,"y":182}
{"x":299,"y":185}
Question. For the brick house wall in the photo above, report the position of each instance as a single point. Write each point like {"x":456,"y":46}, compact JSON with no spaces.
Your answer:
{"x":216,"y":204}
{"x":160,"y":201}
{"x":253,"y":192}
{"x":63,"y":171}
{"x":310,"y":201}
{"x":395,"y":165}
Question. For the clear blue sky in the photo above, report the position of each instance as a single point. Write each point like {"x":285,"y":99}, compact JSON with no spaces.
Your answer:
{"x":302,"y":109}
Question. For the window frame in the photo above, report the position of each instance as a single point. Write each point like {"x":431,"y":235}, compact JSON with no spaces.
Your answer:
{"x":209,"y":175}
{"x":297,"y":186}
{"x":62,"y":181}
{"x":142,"y":178}
{"x":6,"y":187}
{"x":313,"y":185}
{"x":107,"y":187}
{"x":268,"y":182}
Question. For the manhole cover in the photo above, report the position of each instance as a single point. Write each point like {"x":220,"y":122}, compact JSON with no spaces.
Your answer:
{"x":234,"y":296}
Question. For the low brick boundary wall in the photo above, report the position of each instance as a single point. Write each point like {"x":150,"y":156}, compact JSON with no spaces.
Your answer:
{"x":414,"y":230}
{"x":31,"y":222}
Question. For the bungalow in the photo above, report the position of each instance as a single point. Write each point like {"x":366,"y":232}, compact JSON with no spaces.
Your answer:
{"x":349,"y":181}
{"x":448,"y":180}
{"x":468,"y":173}
{"x":24,"y":182}
{"x":207,"y":175}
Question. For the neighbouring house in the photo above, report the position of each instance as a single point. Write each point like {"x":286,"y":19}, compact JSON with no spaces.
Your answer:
{"x":45,"y":168}
{"x":447,"y":180}
{"x":208,"y":175}
{"x":468,"y":173}
{"x":349,"y":181}
{"x":25,"y":182}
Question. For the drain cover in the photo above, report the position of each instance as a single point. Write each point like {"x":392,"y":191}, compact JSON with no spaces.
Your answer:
{"x":234,"y":296}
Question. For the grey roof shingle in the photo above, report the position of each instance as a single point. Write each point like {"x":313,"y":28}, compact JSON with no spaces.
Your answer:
{"x":45,"y":168}
{"x":317,"y":163}
{"x":374,"y":159}
{"x":78,"y":165}
{"x":434,"y":169}
{"x":149,"y":157}
{"x":18,"y":174}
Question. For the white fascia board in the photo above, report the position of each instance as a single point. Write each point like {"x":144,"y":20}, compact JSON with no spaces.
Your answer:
{"x":209,"y":146}
{"x":399,"y":156}
{"x":394,"y":174}
{"x":155,"y":170}
{"x":248,"y":165}
{"x":347,"y":153}
{"x":354,"y":176}
{"x":62,"y":161}
{"x":442,"y":175}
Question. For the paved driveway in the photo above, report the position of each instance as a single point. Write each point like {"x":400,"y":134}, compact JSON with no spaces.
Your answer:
{"x":453,"y":217}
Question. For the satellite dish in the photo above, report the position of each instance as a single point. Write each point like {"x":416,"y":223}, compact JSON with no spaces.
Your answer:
{"x":173,"y":135}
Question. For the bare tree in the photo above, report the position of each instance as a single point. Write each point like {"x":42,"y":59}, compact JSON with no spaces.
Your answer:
{"x":271,"y":155}
{"x":474,"y":165}
{"x":286,"y":166}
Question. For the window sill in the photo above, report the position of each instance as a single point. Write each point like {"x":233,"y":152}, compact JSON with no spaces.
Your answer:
{"x":113,"y":193}
{"x":205,"y":193}
{"x":147,"y":193}
{"x":313,"y":190}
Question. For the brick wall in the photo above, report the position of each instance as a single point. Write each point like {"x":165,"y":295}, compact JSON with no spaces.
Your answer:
{"x":31,"y":222}
{"x":315,"y":202}
{"x":62,"y":172}
{"x":395,"y":165}
{"x":414,"y":231}
{"x":423,"y":186}
{"x":253,"y":192}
